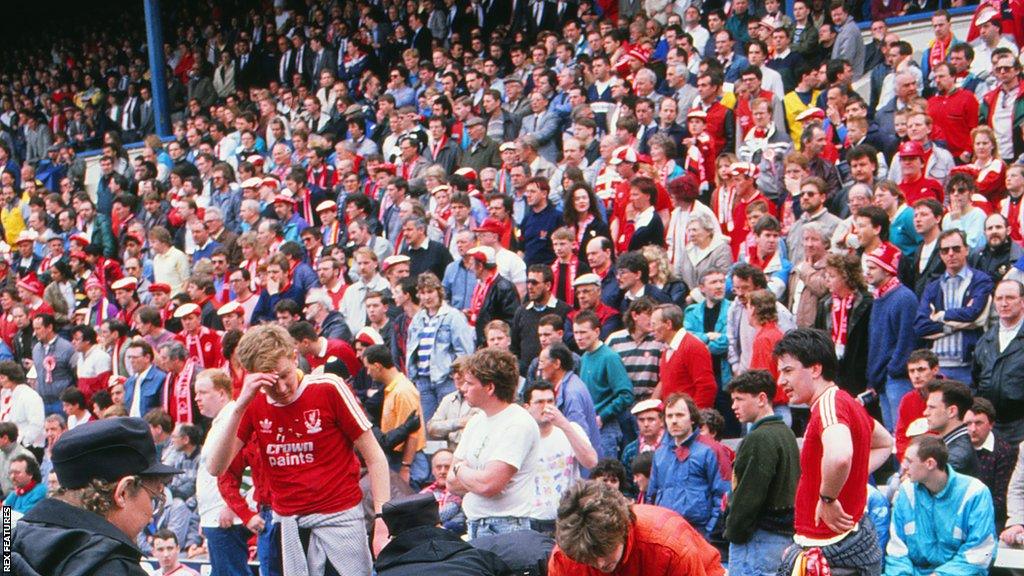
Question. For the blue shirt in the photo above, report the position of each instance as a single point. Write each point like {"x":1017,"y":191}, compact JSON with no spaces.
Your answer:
{"x":536,"y":234}
{"x":459,"y":283}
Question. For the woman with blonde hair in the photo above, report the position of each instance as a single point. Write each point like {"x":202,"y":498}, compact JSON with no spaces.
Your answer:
{"x":662,"y":276}
{"x":987,"y":169}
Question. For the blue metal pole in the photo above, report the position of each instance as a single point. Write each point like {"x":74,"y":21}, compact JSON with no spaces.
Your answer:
{"x":157,"y":77}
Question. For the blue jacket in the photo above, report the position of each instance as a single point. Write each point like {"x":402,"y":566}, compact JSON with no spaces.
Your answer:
{"x":575,"y":403}
{"x":693,"y":487}
{"x":892,"y":336}
{"x":22,"y":504}
{"x":152,"y":389}
{"x":719,"y":347}
{"x":452,"y":339}
{"x":459,"y":283}
{"x":952,"y":532}
{"x":264,"y":310}
{"x":974,"y":304}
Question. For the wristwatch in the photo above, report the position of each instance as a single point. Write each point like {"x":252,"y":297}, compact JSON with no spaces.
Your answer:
{"x":826,"y":499}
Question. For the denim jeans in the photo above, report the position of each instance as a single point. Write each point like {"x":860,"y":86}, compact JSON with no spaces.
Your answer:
{"x":268,"y":545}
{"x":229,"y":550}
{"x":431,"y":394}
{"x":497,"y":525}
{"x":759,"y":556}
{"x":419,"y":474}
{"x":895,"y":390}
{"x":611,"y":439}
{"x":54,"y":408}
{"x":959,"y":373}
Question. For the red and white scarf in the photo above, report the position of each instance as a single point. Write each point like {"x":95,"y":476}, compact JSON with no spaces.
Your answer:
{"x":887,"y":286}
{"x":180,"y":394}
{"x":479,"y":294}
{"x":840,"y":321}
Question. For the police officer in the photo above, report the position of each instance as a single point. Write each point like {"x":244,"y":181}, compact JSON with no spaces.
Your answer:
{"x":111,"y":485}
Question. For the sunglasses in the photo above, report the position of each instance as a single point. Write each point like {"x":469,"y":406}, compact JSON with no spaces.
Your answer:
{"x":953,"y":249}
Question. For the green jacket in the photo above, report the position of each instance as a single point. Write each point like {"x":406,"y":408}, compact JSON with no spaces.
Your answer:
{"x":764,"y":478}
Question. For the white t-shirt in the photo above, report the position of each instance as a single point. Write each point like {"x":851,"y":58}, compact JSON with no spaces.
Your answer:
{"x":209,"y":502}
{"x":510,"y":436}
{"x":24,"y":407}
{"x":511,"y":266}
{"x":558,"y":469}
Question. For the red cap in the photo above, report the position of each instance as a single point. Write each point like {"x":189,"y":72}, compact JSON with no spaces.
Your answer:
{"x":490,"y":225}
{"x":911,"y":149}
{"x":886,"y":257}
{"x":31,"y":284}
{"x":748,"y":169}
{"x":624,"y":154}
{"x":153,"y":288}
{"x":80,"y":239}
{"x":639,"y":53}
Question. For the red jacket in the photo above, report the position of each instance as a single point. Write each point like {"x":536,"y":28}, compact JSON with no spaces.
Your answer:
{"x":689,"y":370}
{"x":210,"y":353}
{"x":954,"y":115}
{"x":336,"y":350}
{"x":659,"y":541}
{"x":921,"y":188}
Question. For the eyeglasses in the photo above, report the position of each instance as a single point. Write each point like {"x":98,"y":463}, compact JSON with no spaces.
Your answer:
{"x":157,"y":498}
{"x":1003,"y":68}
{"x":953,"y":249}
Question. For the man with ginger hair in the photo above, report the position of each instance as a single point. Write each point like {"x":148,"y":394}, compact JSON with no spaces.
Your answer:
{"x":308,"y":431}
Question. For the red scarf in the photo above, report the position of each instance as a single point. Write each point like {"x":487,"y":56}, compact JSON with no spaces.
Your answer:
{"x":180,"y":394}
{"x":479,"y":293}
{"x":937,"y":53}
{"x":437,"y":147}
{"x":840,"y":319}
{"x":887,"y":286}
{"x":25,"y":489}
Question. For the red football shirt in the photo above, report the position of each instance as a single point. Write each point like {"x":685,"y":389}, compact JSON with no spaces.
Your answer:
{"x":306,"y":446}
{"x":834,"y":407}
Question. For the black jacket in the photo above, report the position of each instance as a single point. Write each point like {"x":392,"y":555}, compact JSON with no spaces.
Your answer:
{"x":917,"y":281}
{"x":962,"y":456}
{"x":334,"y":327}
{"x":996,"y":262}
{"x":999,"y":376}
{"x":853,"y":366}
{"x":500,"y":303}
{"x":525,"y":343}
{"x":57,"y":538}
{"x":428,"y":550}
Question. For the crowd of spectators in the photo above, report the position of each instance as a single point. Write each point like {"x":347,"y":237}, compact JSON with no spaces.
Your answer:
{"x":528,"y":243}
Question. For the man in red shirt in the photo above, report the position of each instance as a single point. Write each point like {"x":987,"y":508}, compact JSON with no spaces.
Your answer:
{"x":308,"y":431}
{"x":914,"y":184}
{"x":202,"y":343}
{"x":922,"y":368}
{"x":319,"y":350}
{"x":599,"y":532}
{"x":842,"y":446}
{"x":744,"y":176}
{"x":954,"y":113}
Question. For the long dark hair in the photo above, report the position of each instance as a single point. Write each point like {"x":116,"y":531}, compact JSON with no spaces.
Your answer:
{"x":569,"y":214}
